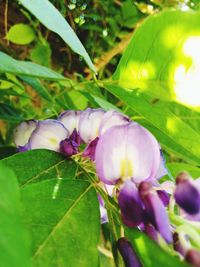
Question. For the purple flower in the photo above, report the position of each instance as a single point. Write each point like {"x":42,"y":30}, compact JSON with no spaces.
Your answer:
{"x":126,"y":250}
{"x":68,"y":147}
{"x":90,"y":149}
{"x":131,"y":205}
{"x":112,"y":118}
{"x":125,"y":152}
{"x":22,"y":134}
{"x":89,"y":123}
{"x":155,"y":210}
{"x":48,"y":134}
{"x":70,"y":119}
{"x":187,"y":194}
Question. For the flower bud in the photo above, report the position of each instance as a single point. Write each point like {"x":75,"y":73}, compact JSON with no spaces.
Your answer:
{"x":187,"y":194}
{"x":126,"y":250}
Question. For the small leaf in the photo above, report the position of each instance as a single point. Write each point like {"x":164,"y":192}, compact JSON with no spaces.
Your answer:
{"x":35,"y":165}
{"x":65,"y":229}
{"x":14,"y":244}
{"x":21,"y":34}
{"x":41,"y":54}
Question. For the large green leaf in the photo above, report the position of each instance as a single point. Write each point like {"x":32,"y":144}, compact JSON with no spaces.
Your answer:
{"x":65,"y":227}
{"x":27,"y":68}
{"x":48,"y":15}
{"x":163,"y":57}
{"x":13,"y":237}
{"x":161,"y":117}
{"x":35,"y":165}
{"x":150,"y":254}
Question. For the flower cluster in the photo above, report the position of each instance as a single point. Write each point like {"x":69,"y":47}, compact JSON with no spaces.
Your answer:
{"x":129,"y":162}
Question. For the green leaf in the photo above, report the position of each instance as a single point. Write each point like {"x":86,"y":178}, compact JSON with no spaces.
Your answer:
{"x":160,"y":116}
{"x":9,"y":113}
{"x":55,"y":22}
{"x":14,"y":244}
{"x":41,"y":54}
{"x":11,"y":65}
{"x":162,"y":57}
{"x":38,"y":87}
{"x":149,"y":252}
{"x":21,"y":34}
{"x":176,"y":168}
{"x":35,"y":165}
{"x":65,"y":229}
{"x":104,"y":103}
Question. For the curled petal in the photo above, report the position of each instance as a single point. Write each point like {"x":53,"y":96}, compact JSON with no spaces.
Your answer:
{"x":70,"y":120}
{"x":155,"y":210}
{"x":103,"y":211}
{"x":162,"y":170}
{"x":23,"y":132}
{"x":48,"y":134}
{"x":90,"y":149}
{"x":89,"y":123}
{"x":127,"y":252}
{"x":187,"y":194}
{"x":112,"y":118}
{"x":130,"y":205}
{"x":127,"y":151}
{"x":75,"y":137}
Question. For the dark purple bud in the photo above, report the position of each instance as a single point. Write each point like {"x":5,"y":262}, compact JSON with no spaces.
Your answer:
{"x":130,"y":205}
{"x":177,"y":244}
{"x":155,"y":210}
{"x":193,"y":257}
{"x":68,"y":147}
{"x":151,"y":232}
{"x":186,"y":194}
{"x":164,"y":196}
{"x":76,"y":137}
{"x":126,"y":250}
{"x":90,"y":149}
